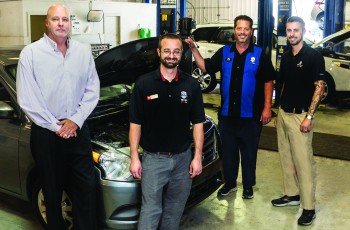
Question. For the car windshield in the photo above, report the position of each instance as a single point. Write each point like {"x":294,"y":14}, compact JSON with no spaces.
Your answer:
{"x":113,"y":98}
{"x":205,"y":34}
{"x":339,"y":43}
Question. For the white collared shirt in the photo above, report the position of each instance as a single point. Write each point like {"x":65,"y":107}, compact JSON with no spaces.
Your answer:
{"x":51,"y":87}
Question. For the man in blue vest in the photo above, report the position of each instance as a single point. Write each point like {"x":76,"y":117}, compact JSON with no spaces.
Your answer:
{"x":246,"y":86}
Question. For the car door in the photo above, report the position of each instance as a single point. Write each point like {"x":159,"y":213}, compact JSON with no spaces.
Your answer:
{"x":9,"y":139}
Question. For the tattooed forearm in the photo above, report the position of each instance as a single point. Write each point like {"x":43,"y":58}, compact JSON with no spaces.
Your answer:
{"x":316,"y":99}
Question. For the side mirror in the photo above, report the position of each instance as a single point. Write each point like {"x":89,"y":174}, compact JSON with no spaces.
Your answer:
{"x":6,"y":111}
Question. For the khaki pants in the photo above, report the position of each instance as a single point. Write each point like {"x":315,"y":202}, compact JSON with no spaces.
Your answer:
{"x":297,"y":161}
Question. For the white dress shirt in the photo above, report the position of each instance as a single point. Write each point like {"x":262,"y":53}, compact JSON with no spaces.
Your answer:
{"x":51,"y":87}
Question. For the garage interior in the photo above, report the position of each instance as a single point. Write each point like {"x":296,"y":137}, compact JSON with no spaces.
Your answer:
{"x":233,"y":212}
{"x":331,"y":140}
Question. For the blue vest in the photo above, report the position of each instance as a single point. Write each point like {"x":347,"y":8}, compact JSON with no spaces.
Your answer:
{"x":251,"y":66}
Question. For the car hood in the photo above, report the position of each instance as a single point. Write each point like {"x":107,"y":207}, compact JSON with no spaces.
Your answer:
{"x":125,"y":63}
{"x":333,"y":39}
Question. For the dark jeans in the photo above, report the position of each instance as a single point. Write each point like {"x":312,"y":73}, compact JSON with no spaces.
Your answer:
{"x":57,"y":160}
{"x":240,"y":141}
{"x":166,"y":185}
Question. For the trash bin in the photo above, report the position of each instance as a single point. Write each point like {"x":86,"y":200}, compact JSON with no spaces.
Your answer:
{"x":145,"y":33}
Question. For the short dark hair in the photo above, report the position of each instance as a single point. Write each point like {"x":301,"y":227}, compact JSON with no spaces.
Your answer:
{"x":169,"y":36}
{"x":245,"y":18}
{"x":296,"y":19}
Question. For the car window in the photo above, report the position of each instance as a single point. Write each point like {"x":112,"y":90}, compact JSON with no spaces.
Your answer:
{"x":204,"y":34}
{"x":11,"y":71}
{"x":225,"y":36}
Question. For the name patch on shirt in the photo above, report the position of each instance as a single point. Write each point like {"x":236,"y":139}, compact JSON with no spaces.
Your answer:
{"x":151,"y":97}
{"x":184,"y":97}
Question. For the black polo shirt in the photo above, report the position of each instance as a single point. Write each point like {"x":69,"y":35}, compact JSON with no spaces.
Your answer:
{"x":165,"y":111}
{"x":298,"y":74}
{"x":265,"y":73}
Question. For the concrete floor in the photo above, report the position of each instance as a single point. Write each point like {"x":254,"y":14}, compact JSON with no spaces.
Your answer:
{"x":232,"y":212}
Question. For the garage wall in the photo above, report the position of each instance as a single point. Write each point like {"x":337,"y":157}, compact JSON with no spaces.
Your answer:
{"x":204,"y":11}
{"x":11,"y":23}
{"x":127,"y":16}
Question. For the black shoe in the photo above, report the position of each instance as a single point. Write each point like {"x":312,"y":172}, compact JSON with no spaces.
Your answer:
{"x":225,"y":190}
{"x":286,"y":200}
{"x":248,"y":193}
{"x":307,"y":217}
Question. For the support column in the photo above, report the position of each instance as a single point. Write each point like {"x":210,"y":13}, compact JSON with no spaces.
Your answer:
{"x":333,"y":16}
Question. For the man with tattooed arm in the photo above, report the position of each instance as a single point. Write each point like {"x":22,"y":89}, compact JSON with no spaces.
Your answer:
{"x":302,"y":73}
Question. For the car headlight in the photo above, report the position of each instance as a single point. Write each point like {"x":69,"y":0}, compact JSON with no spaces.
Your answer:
{"x":115,"y":165}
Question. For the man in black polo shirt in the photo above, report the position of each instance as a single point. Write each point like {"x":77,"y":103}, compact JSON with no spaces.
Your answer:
{"x":246,"y":93}
{"x":163,"y":105}
{"x":302,"y":72}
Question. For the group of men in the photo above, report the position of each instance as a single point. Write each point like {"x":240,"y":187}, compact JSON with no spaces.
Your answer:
{"x":58,"y":88}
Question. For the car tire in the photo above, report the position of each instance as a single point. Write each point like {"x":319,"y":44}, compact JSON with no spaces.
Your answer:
{"x":38,"y":203}
{"x":207,"y":81}
{"x":329,"y":92}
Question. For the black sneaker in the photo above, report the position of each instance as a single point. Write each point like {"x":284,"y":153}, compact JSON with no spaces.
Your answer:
{"x":307,"y":217}
{"x":286,"y":200}
{"x":248,"y":193}
{"x":225,"y":190}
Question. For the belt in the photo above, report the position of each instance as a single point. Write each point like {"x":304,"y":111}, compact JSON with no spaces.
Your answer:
{"x":167,"y":153}
{"x":288,"y":109}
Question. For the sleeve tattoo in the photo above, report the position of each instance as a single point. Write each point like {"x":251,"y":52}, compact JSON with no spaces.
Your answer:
{"x":317,"y":97}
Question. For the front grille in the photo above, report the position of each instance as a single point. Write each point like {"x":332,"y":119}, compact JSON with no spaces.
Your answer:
{"x":210,"y":146}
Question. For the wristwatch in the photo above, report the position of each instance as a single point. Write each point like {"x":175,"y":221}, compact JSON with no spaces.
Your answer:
{"x":309,"y":117}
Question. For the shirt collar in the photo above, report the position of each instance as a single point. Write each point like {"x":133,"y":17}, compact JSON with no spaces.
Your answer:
{"x":249,"y":49}
{"x":176,"y":76}
{"x":52,"y":43}
{"x":301,"y":51}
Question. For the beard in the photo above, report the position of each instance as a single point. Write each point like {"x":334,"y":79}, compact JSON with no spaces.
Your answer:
{"x":170,"y":65}
{"x":295,"y":42}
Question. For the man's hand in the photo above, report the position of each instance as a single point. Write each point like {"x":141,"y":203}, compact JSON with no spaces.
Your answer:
{"x":136,"y":168}
{"x":305,"y":126}
{"x":190,"y":43}
{"x":266,"y":116}
{"x":68,"y":129}
{"x":196,"y":167}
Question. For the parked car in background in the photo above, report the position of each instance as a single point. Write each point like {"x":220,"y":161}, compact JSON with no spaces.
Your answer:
{"x":317,"y":13}
{"x":336,"y":52}
{"x":119,"y":194}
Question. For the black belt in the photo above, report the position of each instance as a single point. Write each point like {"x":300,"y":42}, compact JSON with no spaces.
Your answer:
{"x":168,"y":153}
{"x":288,"y":109}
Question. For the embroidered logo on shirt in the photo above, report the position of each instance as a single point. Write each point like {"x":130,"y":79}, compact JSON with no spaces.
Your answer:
{"x":252,"y":60}
{"x":151,"y":97}
{"x":300,"y":64}
{"x":184,"y":97}
{"x":228,"y":59}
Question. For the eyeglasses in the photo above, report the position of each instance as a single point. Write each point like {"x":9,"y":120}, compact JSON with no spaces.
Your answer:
{"x":175,"y":52}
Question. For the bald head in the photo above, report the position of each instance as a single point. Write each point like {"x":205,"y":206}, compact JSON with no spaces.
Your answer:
{"x":57,"y":6}
{"x":58,"y":22}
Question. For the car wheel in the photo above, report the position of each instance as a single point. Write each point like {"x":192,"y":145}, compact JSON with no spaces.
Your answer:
{"x":329,"y":91}
{"x":320,"y":21}
{"x":38,"y":202}
{"x":207,"y":81}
